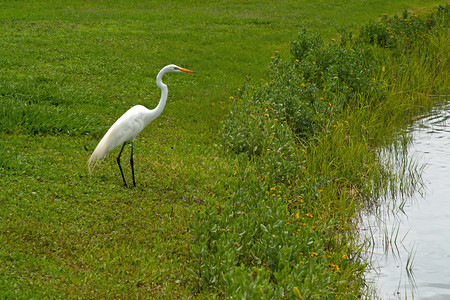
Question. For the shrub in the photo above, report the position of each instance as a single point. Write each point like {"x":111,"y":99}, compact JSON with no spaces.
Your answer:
{"x":302,"y":96}
{"x":403,"y":32}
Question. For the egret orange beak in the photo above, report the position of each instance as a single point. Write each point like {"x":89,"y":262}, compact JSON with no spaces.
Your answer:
{"x":186,"y":70}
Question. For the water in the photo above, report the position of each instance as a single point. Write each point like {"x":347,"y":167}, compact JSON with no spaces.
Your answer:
{"x":411,"y":241}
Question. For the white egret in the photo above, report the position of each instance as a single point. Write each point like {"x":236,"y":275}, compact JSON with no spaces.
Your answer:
{"x":128,"y":126}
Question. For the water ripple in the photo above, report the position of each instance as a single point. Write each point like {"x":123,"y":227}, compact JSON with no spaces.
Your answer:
{"x":415,"y":261}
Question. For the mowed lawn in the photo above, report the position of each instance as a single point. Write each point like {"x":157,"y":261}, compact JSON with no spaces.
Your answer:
{"x":68,"y":70}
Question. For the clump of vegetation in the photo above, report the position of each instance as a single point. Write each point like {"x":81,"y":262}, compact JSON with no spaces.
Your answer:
{"x":402,"y":32}
{"x":266,"y":241}
{"x":305,"y":140}
{"x":305,"y":95}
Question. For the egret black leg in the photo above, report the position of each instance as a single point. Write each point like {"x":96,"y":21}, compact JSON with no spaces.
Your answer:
{"x":132,"y":162}
{"x":120,"y":167}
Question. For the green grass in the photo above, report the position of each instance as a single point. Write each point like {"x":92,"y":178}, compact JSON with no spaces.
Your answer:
{"x":67,"y":71}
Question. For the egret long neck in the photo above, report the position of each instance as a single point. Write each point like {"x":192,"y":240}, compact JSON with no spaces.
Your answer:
{"x":162,"y":102}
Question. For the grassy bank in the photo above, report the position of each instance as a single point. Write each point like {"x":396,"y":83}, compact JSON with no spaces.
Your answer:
{"x":307,"y":141}
{"x":69,"y":69}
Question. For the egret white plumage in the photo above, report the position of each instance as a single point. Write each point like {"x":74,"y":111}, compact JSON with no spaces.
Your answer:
{"x":131,"y":123}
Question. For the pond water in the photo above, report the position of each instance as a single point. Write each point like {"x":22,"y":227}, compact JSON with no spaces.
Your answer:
{"x":410,"y":240}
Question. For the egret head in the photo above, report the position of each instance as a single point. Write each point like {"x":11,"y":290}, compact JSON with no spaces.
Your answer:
{"x":175,"y":68}
{"x":168,"y":69}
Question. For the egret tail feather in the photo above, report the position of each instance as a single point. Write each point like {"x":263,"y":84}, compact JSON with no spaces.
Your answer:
{"x":100,"y":152}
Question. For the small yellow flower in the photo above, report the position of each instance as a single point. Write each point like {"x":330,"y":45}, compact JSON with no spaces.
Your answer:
{"x":231,"y":97}
{"x":314,"y":254}
{"x":297,"y":215}
{"x":272,"y":188}
{"x":345,"y":257}
{"x":244,"y":213}
{"x":304,"y":150}
{"x":334,"y":268}
{"x":383,"y":69}
{"x":309,"y":215}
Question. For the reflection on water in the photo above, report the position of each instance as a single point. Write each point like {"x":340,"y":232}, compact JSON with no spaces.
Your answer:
{"x":411,"y":247}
